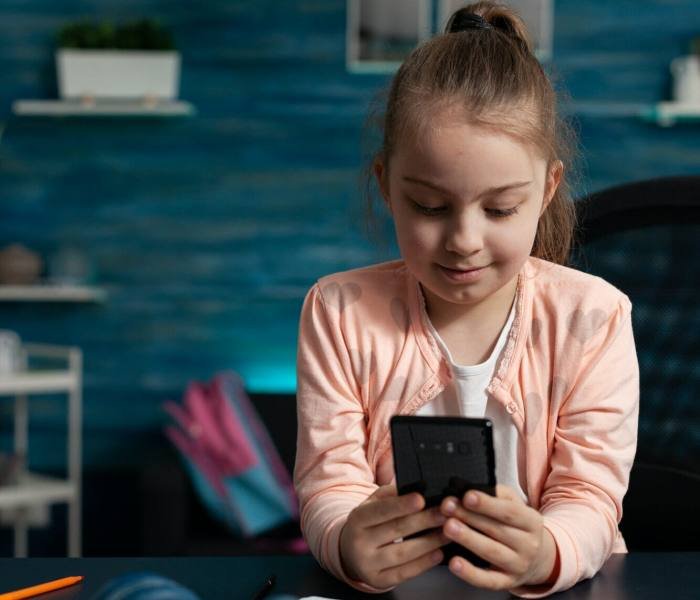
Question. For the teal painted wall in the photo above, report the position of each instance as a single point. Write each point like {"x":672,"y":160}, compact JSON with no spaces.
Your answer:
{"x":207,"y":231}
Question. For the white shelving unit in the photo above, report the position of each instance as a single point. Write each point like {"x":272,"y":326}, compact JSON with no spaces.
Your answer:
{"x":33,"y":490}
{"x":51,"y":293}
{"x":103,"y":108}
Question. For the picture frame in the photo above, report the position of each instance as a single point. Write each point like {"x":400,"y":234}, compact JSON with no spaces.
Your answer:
{"x":381,"y":33}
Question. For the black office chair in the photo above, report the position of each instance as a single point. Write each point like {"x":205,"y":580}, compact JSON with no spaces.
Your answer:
{"x":644,"y":238}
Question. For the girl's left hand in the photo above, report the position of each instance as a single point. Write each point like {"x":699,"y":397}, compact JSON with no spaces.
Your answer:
{"x":507,"y":533}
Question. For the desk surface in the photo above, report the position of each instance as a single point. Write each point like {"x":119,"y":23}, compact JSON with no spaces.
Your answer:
{"x":635,"y":576}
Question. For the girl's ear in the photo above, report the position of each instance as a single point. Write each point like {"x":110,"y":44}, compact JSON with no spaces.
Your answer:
{"x":556,"y":170}
{"x":382,"y":181}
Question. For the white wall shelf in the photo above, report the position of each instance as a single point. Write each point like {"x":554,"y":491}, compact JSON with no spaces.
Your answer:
{"x":103,"y":108}
{"x":670,"y":113}
{"x":664,"y":114}
{"x":28,"y":491}
{"x":51,"y":293}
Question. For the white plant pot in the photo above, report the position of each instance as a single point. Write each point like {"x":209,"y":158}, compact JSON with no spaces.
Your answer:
{"x":118,"y":74}
{"x":686,"y":79}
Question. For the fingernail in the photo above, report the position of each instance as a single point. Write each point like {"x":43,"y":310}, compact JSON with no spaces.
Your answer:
{"x":436,"y":556}
{"x":472,"y":499}
{"x":453,"y":527}
{"x":456,"y":566}
{"x":450,"y":506}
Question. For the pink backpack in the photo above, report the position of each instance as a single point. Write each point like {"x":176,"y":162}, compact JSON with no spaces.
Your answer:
{"x":233,"y":463}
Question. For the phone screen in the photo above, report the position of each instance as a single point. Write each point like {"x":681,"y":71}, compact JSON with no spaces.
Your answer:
{"x":444,"y":456}
{"x":438,"y":456}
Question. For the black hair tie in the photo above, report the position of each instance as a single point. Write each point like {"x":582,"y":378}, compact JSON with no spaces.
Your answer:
{"x":463,"y":21}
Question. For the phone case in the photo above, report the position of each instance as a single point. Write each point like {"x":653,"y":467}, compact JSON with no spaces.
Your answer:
{"x":444,"y":456}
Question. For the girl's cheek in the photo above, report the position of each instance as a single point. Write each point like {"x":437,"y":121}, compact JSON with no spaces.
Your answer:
{"x":423,"y":236}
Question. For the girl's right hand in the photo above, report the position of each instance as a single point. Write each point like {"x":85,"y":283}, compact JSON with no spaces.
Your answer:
{"x":367,"y":549}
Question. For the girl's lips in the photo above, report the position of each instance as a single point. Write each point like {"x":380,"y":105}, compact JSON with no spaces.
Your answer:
{"x":463,"y":276}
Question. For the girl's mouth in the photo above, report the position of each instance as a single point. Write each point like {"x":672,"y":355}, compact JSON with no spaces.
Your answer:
{"x":463,"y":275}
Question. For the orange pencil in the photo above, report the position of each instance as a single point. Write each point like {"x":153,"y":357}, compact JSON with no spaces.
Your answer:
{"x":42,"y":588}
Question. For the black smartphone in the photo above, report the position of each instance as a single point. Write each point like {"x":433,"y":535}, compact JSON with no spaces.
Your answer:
{"x":444,"y":456}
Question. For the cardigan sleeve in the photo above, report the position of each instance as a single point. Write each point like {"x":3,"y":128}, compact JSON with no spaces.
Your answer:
{"x":595,"y":441}
{"x":331,"y":472}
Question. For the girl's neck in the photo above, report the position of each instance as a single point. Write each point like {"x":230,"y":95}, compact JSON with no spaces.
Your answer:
{"x":489,"y":312}
{"x":471,"y":332}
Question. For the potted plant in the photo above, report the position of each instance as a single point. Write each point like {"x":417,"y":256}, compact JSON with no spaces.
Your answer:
{"x":695,"y":45}
{"x":135,"y":60}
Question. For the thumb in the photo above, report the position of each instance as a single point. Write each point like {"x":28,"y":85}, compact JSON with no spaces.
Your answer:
{"x":384,"y":491}
{"x":503,"y":491}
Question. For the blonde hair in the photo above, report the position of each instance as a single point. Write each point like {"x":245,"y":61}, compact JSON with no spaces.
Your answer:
{"x":491,"y":73}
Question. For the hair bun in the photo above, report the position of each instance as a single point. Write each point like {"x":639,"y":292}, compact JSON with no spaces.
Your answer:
{"x":490,"y":15}
{"x":463,"y":20}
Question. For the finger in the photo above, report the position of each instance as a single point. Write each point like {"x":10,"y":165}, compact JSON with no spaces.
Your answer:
{"x":383,"y":509}
{"x":490,"y":550}
{"x":404,"y":526}
{"x":399,"y":553}
{"x":395,"y":575}
{"x":493,"y":528}
{"x":516,"y":514}
{"x":483,"y":578}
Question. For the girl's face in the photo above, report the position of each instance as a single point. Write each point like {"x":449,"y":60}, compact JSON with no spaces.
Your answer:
{"x":465,"y":202}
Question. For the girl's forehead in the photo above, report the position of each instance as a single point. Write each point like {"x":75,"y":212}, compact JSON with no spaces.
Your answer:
{"x":449,"y":125}
{"x":449,"y":144}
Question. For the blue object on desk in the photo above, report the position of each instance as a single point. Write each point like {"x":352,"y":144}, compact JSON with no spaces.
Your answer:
{"x":143,"y":586}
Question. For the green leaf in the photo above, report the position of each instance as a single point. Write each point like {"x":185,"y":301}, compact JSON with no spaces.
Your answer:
{"x":144,"y":34}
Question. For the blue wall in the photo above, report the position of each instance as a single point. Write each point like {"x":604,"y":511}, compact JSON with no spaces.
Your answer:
{"x":207,"y":231}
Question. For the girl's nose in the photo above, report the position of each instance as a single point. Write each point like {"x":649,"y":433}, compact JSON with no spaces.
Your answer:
{"x":465,"y":237}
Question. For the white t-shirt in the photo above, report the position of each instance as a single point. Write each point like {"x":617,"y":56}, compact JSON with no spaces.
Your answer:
{"x":466,"y":396}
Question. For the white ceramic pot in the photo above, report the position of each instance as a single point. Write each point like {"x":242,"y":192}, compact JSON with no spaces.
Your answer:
{"x":686,"y":79}
{"x":118,"y":74}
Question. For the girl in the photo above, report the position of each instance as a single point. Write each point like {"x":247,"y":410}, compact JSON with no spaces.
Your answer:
{"x":479,"y":318}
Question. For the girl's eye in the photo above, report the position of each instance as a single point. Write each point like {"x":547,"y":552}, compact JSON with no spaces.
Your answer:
{"x":427,"y":210}
{"x":499,"y":213}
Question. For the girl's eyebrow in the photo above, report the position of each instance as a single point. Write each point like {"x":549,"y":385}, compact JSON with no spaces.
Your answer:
{"x":493,"y":190}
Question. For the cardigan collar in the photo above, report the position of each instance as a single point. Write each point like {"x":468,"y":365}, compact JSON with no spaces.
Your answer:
{"x":507,"y":364}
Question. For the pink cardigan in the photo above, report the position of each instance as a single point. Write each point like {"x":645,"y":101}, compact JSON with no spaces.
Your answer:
{"x":568,"y":377}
